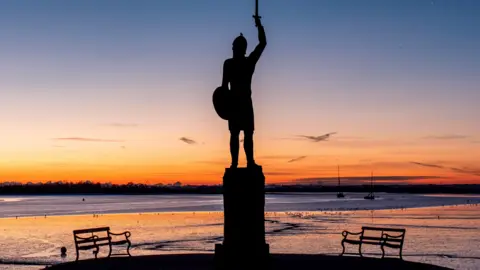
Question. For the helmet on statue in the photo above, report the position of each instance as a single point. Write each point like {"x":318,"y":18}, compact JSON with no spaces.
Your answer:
{"x":239,"y":45}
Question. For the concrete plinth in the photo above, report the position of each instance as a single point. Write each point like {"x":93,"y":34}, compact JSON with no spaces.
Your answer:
{"x":244,"y":242}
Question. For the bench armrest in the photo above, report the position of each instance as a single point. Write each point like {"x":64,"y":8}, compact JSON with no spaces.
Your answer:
{"x":392,"y":236}
{"x":346,"y":233}
{"x":127,"y":234}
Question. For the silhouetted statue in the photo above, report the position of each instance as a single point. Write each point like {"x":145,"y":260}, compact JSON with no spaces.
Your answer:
{"x":238,"y":71}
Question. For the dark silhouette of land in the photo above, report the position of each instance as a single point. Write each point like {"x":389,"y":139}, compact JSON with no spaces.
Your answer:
{"x":277,"y":262}
{"x":87,"y":187}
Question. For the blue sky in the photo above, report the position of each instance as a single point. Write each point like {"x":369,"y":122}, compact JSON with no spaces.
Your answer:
{"x":387,"y":70}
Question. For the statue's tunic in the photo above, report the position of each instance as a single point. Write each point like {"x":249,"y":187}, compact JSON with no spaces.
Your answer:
{"x":240,"y":72}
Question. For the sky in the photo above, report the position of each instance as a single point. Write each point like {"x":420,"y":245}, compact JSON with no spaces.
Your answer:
{"x":121,"y":91}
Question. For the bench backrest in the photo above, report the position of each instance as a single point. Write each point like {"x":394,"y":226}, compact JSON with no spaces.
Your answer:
{"x":366,"y":228}
{"x":88,"y":237}
{"x":398,"y":233}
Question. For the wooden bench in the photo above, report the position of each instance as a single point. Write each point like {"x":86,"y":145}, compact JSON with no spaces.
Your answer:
{"x":94,"y":238}
{"x":375,"y":236}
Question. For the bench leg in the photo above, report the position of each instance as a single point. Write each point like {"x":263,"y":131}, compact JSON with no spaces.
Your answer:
{"x":110,"y":250}
{"x":343,"y":248}
{"x":401,"y":254}
{"x":360,"y":250}
{"x":96,"y":252}
{"x":77,"y":256}
{"x":128,"y":248}
{"x":383,"y":251}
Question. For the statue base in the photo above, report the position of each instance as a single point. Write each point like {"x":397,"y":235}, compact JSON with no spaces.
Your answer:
{"x":244,"y":220}
{"x":241,"y":258}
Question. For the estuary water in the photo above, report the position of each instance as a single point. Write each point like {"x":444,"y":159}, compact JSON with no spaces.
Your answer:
{"x":441,"y":229}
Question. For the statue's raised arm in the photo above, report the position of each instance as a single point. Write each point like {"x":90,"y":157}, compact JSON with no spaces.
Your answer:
{"x":262,"y":41}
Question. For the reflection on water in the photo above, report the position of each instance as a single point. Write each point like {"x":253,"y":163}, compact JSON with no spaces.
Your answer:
{"x":446,"y":235}
{"x":10,"y":199}
{"x":454,"y":195}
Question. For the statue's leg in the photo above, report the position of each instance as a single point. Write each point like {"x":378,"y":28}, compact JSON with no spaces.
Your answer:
{"x":248,"y":146}
{"x":234,"y":146}
{"x":249,"y":128}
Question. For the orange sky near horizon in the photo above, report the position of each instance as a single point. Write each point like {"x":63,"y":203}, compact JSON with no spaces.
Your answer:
{"x":284,"y":160}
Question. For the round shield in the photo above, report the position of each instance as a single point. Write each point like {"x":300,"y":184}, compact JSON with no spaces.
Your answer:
{"x":221,"y":102}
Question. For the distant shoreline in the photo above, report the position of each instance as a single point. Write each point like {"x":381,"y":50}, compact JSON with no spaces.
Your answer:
{"x":89,"y":188}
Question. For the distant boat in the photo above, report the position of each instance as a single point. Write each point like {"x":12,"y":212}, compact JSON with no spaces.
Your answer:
{"x":339,"y":194}
{"x":370,"y":195}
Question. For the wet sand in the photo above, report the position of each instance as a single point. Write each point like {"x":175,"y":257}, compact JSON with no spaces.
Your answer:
{"x":446,"y":236}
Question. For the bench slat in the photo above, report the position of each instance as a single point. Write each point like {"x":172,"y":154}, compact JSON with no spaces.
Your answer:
{"x":87,"y":247}
{"x":371,"y":238}
{"x":393,"y":240}
{"x":121,"y":242}
{"x":91,"y":230}
{"x":102,"y":239}
{"x":392,"y":245}
{"x":372,"y":243}
{"x":85,"y":241}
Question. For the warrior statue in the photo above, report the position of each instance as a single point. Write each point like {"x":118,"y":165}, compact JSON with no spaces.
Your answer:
{"x":238,"y":72}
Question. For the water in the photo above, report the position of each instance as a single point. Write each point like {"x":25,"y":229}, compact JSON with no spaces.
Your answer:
{"x":441,"y":229}
{"x":22,"y":206}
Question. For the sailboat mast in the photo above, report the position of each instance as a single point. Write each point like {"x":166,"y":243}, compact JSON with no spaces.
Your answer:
{"x":338,"y":175}
{"x":371,"y":182}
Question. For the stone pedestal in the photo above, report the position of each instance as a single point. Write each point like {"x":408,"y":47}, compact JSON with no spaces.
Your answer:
{"x":244,"y":242}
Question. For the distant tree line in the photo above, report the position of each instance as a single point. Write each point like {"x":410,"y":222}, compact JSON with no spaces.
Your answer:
{"x":414,"y":189}
{"x":88,"y":187}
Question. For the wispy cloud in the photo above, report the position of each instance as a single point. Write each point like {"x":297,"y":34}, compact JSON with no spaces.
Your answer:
{"x":83,"y":139}
{"x":464,"y":170}
{"x":447,"y":137}
{"x":121,"y":125}
{"x":188,"y":140}
{"x":475,"y":172}
{"x":320,"y":138}
{"x":297,"y":159}
{"x":427,"y":165}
